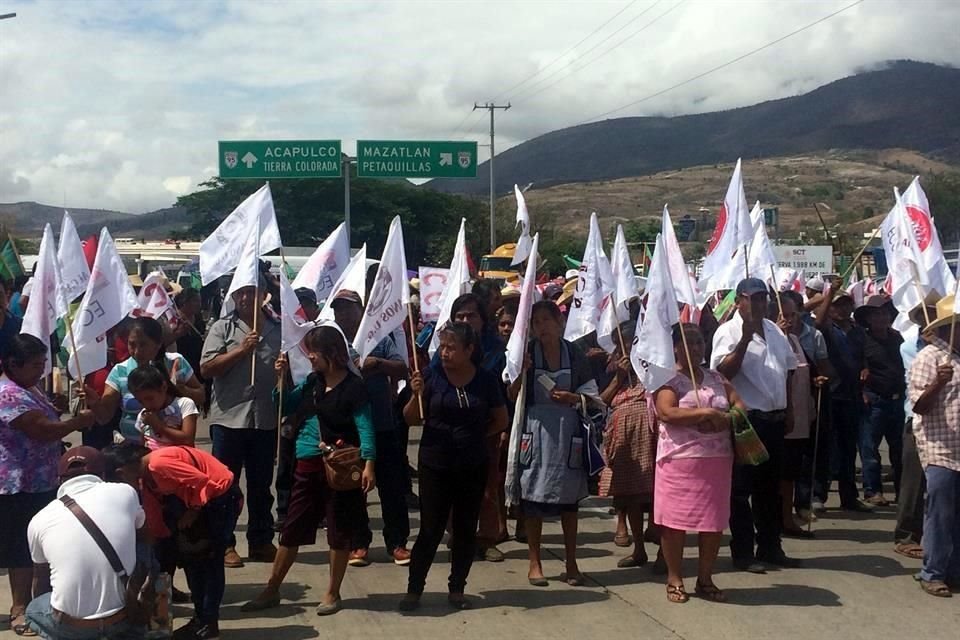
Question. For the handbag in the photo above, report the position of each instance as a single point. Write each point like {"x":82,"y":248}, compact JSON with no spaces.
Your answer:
{"x":138,"y":603}
{"x":344,"y":468}
{"x":593,"y":423}
{"x":748,"y":448}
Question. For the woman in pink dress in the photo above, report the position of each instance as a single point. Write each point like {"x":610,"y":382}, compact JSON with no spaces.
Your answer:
{"x":694,"y":464}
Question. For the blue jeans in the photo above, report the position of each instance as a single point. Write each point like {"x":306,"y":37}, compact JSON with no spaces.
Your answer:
{"x":941,"y":526}
{"x":206,"y":577}
{"x":882,"y":419}
{"x":250,"y":450}
{"x":42,"y":619}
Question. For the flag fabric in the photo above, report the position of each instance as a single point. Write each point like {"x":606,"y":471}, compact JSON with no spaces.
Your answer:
{"x":387,"y":305}
{"x":733,"y":230}
{"x":10,"y":259}
{"x":324,"y":267}
{"x":73,"y":262}
{"x":294,"y":325}
{"x":685,"y":289}
{"x":517,"y":344}
{"x":907,"y":276}
{"x":522,"y":250}
{"x":725,"y":305}
{"x":609,"y":324}
{"x":458,"y":283}
{"x":940,"y":278}
{"x":153,"y":300}
{"x":247,"y":273}
{"x":652,"y":353}
{"x":47,"y":302}
{"x":109,"y":299}
{"x":856,"y":289}
{"x":90,"y":250}
{"x":595,"y":280}
{"x":353,"y":278}
{"x":221,"y":251}
{"x":625,"y":281}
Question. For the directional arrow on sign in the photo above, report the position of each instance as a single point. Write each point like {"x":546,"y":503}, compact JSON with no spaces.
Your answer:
{"x":249,"y":159}
{"x":446,"y":159}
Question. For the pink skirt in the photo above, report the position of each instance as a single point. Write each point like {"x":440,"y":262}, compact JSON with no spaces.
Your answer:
{"x":693,"y":494}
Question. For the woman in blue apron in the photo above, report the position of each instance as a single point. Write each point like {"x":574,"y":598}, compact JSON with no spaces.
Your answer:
{"x":552,"y":475}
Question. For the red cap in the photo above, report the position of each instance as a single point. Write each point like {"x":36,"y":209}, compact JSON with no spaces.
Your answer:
{"x":79,"y":461}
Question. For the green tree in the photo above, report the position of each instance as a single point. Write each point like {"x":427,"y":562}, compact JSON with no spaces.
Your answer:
{"x":943,"y":192}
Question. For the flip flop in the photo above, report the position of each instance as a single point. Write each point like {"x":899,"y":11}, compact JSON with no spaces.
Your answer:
{"x":914,"y":551}
{"x":577,"y":580}
{"x":22,"y":629}
{"x":936,"y":588}
{"x":676,"y":594}
{"x":710,"y":592}
{"x":623,"y":540}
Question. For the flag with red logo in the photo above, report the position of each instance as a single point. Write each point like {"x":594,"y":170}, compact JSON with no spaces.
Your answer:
{"x":153,"y":298}
{"x":734,"y":229}
{"x":908,"y":277}
{"x":932,"y":260}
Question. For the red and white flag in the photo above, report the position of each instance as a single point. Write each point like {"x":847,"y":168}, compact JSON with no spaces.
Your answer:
{"x":387,"y":305}
{"x":652,"y":353}
{"x":856,"y":289}
{"x":594,"y":282}
{"x":153,"y":300}
{"x":907,"y":275}
{"x":734,"y":229}
{"x":932,"y":260}
{"x":47,"y":302}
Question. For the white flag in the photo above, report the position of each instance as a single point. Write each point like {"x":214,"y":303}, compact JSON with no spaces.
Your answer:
{"x":856,"y":289}
{"x":652,"y":352}
{"x":625,"y":280}
{"x":73,"y":262}
{"x":353,"y":278}
{"x":433,"y":282}
{"x":387,"y":307}
{"x":609,"y":324}
{"x":222,"y":249}
{"x":684,"y":288}
{"x":907,"y":276}
{"x":294,"y":325}
{"x":760,"y":259}
{"x":47,"y":302}
{"x":247,"y":273}
{"x":109,"y":299}
{"x":939,"y":276}
{"x":324,"y":267}
{"x":458,"y":283}
{"x":522,"y":249}
{"x":595,"y":281}
{"x":734,"y":229}
{"x":517,"y":345}
{"x":153,"y":300}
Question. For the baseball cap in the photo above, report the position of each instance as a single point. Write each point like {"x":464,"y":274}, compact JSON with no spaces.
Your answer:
{"x":306,"y":294}
{"x":79,"y":461}
{"x":750,"y":286}
{"x":815,"y":283}
{"x":345,"y":295}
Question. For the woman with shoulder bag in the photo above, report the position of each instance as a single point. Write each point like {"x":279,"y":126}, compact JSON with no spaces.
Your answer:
{"x":338,"y":412}
{"x":462,"y":406}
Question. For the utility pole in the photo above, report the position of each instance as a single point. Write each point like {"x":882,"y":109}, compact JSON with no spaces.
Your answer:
{"x":346,"y":162}
{"x":491,"y":107}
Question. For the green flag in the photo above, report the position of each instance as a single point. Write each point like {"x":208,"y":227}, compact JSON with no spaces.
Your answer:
{"x":12,"y":266}
{"x":721,"y":310}
{"x":572,"y":263}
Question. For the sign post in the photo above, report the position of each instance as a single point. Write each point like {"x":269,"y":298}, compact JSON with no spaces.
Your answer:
{"x":279,"y":159}
{"x":416,"y":159}
{"x":812,"y":259}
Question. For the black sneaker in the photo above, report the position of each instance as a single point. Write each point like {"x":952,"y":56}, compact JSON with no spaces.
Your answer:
{"x":780,"y":559}
{"x":196,"y":630}
{"x":180,"y":597}
{"x":749,"y":565}
{"x":187,"y":631}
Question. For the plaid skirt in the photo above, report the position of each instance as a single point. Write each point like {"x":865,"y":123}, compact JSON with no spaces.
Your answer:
{"x":630,"y":447}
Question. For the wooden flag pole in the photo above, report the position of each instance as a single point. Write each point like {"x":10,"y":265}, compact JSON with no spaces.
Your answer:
{"x":856,"y":258}
{"x":416,"y":364}
{"x":813,"y":471}
{"x":693,"y":375}
{"x":776,"y":290}
{"x":283,"y":376}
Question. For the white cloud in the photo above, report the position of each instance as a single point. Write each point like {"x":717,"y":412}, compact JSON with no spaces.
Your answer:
{"x":120,"y":104}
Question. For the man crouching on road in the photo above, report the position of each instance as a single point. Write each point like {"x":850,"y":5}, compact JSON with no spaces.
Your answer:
{"x":88,"y":597}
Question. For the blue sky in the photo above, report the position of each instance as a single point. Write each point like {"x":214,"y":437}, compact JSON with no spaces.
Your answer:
{"x":119,"y":104}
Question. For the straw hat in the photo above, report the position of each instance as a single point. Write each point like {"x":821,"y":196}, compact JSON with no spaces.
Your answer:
{"x":917,"y":316}
{"x":945,"y":314}
{"x":569,"y":289}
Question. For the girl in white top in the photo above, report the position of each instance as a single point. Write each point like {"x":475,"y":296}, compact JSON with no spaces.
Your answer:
{"x":167,"y":419}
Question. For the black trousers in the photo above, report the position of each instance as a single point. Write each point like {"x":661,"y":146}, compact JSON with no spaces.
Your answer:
{"x":755,"y":500}
{"x":389,"y":469}
{"x":286,"y":463}
{"x":913,"y":485}
{"x":459,"y":491}
{"x":846,"y":415}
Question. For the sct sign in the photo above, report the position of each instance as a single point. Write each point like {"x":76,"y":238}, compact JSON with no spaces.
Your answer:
{"x":275,"y":159}
{"x":810,"y":259}
{"x":416,"y":159}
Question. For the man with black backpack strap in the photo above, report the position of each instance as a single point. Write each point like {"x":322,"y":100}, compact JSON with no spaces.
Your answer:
{"x":84,"y":548}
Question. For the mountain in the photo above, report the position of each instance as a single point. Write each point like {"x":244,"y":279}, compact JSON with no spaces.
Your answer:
{"x":905,"y":104}
{"x":27,"y":219}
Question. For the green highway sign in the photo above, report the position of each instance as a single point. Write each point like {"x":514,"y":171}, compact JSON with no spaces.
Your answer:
{"x":275,"y":159}
{"x":416,"y":159}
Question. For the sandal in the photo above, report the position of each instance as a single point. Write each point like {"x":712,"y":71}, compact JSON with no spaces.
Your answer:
{"x":676,"y":594}
{"x":936,"y":588}
{"x":910,"y":550}
{"x":575,"y":579}
{"x":633,"y":561}
{"x":23,"y":628}
{"x":710,"y":592}
{"x":623,"y":540}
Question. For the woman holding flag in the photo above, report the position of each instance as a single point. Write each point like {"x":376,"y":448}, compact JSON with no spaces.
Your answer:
{"x":553,"y":477}
{"x":694,"y":463}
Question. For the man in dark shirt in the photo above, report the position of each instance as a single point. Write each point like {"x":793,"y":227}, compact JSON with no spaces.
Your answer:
{"x":9,"y":324}
{"x":845,"y":349}
{"x":884,"y":385}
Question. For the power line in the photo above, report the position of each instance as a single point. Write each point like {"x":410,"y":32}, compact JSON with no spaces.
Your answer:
{"x":473,"y":112}
{"x":603,"y":53}
{"x":721,"y":66}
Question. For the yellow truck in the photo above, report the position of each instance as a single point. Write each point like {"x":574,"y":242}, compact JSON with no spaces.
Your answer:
{"x":496,"y":265}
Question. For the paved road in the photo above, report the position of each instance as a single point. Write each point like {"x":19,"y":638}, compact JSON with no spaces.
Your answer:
{"x":852,"y":586}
